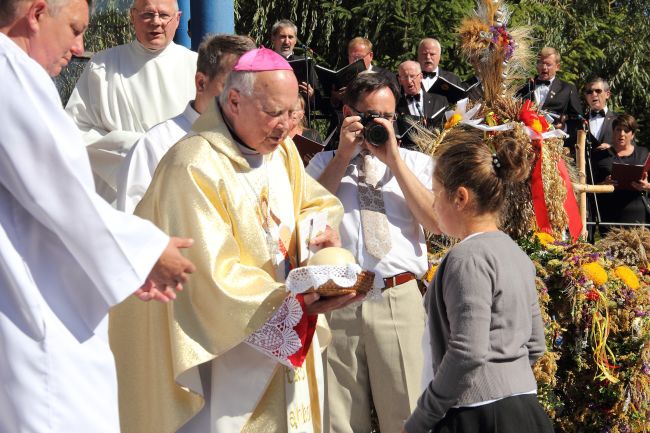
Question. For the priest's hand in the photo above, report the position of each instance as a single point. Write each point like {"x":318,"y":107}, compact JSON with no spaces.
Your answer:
{"x":150,"y":292}
{"x":169,"y":273}
{"x":315,"y":304}
{"x":329,"y":238}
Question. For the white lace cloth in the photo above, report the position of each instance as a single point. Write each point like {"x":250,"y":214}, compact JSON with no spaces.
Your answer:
{"x":301,"y":279}
{"x":277,"y":338}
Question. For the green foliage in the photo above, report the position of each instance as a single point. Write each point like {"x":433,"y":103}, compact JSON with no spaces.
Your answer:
{"x":395,"y":28}
{"x":107,"y":28}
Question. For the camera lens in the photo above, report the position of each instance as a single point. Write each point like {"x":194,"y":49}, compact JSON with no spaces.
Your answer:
{"x":375,"y":134}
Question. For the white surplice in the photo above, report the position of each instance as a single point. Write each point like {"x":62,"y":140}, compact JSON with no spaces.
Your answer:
{"x":136,"y":171}
{"x":66,"y":257}
{"x":124,"y":91}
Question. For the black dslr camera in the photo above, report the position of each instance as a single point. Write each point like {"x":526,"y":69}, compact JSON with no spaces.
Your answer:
{"x":374,"y":133}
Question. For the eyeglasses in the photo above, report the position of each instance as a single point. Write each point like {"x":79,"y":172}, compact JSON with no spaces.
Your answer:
{"x":149,"y":16}
{"x":360,"y":56}
{"x":596,"y":91}
{"x":409,"y":77}
{"x":388,"y":116}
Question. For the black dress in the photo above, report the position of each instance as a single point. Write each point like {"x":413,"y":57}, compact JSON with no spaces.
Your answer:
{"x":623,"y":205}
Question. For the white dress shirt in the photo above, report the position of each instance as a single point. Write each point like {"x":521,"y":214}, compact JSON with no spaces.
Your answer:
{"x":408,"y":249}
{"x":596,"y":124}
{"x":427,"y":82}
{"x":541,"y":92}
{"x":416,"y":107}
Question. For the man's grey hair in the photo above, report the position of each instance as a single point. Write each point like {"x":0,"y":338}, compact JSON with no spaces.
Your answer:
{"x":282,"y":24}
{"x":9,"y":9}
{"x":214,"y":49}
{"x":594,"y":80}
{"x":242,"y":81}
{"x":430,"y":40}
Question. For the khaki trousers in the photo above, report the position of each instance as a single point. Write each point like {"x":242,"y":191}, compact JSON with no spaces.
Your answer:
{"x":376,"y":351}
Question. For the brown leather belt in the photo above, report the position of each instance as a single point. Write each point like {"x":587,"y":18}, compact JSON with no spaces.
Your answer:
{"x":398,"y":279}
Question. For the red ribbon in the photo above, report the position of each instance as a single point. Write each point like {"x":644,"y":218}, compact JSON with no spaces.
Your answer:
{"x":539,"y":200}
{"x":305,"y":330}
{"x":538,"y":124}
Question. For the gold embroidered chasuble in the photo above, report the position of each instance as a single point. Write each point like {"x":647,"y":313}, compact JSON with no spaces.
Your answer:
{"x":196,"y":192}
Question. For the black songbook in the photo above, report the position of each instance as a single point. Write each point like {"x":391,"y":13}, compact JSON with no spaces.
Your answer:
{"x":302,"y":67}
{"x":307,"y":148}
{"x":340,"y":78}
{"x":625,"y":174}
{"x":451,"y":91}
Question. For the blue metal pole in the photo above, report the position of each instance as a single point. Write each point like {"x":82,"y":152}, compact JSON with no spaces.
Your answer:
{"x":211,"y":16}
{"x":182,"y":37}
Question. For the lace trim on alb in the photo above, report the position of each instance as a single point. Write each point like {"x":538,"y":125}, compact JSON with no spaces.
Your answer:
{"x":277,"y":338}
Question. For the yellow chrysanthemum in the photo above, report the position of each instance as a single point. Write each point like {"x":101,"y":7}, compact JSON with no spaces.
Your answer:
{"x":595,"y":273}
{"x":628,"y":276}
{"x":431,"y":273}
{"x":544,"y":238}
{"x":453,"y":121}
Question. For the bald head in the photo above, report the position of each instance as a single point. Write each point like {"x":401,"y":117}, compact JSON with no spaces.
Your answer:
{"x":429,"y":53}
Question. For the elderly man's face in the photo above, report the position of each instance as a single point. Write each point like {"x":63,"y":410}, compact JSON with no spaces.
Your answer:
{"x":155,"y":22}
{"x":596,"y":95}
{"x":429,"y":56}
{"x":263,"y":120}
{"x":547,"y":67}
{"x":284,"y":40}
{"x":59,"y":36}
{"x":410,"y":78}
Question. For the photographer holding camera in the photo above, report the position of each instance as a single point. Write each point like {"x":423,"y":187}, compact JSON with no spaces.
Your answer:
{"x":387,"y":199}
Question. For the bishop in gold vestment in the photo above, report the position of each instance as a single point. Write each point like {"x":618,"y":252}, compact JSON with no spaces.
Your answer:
{"x":241,"y":200}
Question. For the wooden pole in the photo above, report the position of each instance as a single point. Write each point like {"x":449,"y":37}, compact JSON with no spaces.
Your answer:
{"x":582,"y":188}
{"x":582,"y":178}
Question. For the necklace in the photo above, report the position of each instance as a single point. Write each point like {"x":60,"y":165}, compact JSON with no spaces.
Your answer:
{"x":262,"y":206}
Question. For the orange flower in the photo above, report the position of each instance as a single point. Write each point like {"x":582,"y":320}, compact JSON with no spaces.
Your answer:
{"x":595,"y":273}
{"x":453,"y":121}
{"x":544,"y":238}
{"x":628,"y":277}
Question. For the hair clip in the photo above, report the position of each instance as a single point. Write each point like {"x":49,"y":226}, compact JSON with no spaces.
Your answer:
{"x":495,"y":161}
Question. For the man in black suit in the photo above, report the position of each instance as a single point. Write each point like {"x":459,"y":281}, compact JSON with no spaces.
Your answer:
{"x":429,"y":55}
{"x":427,"y":109}
{"x":556,"y":97}
{"x":600,"y":136}
{"x":599,"y":118}
{"x":283,"y":39}
{"x":361,"y":48}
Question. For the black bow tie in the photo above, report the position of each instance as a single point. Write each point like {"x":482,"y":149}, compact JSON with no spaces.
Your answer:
{"x":597,"y":113}
{"x":429,"y":74}
{"x":411,"y":98}
{"x":539,"y":82}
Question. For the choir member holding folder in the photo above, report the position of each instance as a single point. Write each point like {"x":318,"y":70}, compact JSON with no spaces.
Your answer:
{"x":627,"y":204}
